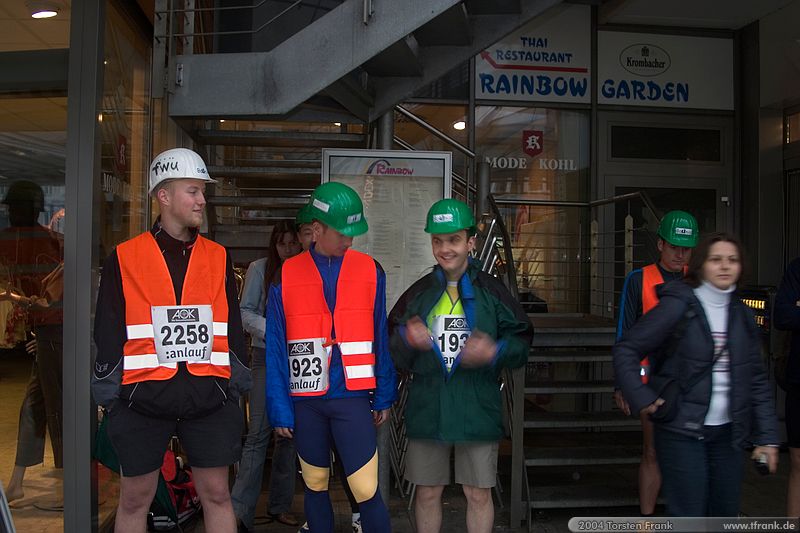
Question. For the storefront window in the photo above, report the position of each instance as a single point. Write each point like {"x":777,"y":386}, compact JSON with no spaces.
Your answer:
{"x":540,"y":154}
{"x":792,"y":128}
{"x":124,"y":125}
{"x":33,"y":138}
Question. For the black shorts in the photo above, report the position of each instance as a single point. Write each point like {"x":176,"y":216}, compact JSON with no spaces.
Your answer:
{"x":140,"y":441}
{"x":793,"y":417}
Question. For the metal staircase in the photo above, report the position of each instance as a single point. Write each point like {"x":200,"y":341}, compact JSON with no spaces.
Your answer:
{"x":571,"y":447}
{"x":364,"y":55}
{"x":266,"y":171}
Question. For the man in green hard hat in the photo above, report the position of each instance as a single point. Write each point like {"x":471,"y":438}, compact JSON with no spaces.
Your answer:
{"x":677,"y":236}
{"x":455,"y":330}
{"x":330,"y":379}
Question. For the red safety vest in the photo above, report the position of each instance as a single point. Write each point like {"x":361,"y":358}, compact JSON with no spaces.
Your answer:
{"x":651,"y":278}
{"x":146,"y":282}
{"x":308,"y":316}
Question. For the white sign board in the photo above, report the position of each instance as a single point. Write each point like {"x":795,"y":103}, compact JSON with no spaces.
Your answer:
{"x":397,"y":188}
{"x":642,"y":69}
{"x":547,"y":60}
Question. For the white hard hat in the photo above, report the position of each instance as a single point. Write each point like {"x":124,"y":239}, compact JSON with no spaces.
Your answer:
{"x":176,"y":164}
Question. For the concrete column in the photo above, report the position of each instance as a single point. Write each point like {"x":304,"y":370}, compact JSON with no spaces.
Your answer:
{"x":386,"y":131}
{"x":385,"y":142}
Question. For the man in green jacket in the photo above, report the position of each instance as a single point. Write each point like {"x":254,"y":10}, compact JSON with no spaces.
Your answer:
{"x":455,"y":330}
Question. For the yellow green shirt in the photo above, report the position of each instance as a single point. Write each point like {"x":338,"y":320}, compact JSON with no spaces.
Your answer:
{"x":448,"y":324}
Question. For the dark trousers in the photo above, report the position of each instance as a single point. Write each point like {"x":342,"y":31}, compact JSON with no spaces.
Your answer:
{"x":41,"y":407}
{"x":700,"y":477}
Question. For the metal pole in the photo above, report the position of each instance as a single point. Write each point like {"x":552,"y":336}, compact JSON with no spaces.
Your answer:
{"x":87,"y":23}
{"x":483,"y":188}
{"x":385,"y":142}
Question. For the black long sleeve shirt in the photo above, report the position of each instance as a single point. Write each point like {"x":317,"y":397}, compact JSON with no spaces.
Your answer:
{"x":185,"y":395}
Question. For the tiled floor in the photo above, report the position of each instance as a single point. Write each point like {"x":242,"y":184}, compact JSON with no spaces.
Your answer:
{"x":42,"y":486}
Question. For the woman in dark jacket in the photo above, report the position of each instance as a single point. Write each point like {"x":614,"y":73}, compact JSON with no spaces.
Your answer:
{"x":708,"y":392}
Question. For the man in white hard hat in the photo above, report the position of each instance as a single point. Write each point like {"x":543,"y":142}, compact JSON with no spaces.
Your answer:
{"x":170,"y":342}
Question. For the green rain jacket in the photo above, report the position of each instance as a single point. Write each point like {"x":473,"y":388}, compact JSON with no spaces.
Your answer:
{"x":464,"y":404}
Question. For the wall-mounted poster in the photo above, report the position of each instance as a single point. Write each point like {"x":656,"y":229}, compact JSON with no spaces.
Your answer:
{"x":397,"y":188}
{"x":644,"y":69}
{"x":547,"y":60}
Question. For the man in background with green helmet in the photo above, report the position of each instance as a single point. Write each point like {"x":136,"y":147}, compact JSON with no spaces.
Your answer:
{"x":677,"y":235}
{"x":455,"y":330}
{"x":330,"y":379}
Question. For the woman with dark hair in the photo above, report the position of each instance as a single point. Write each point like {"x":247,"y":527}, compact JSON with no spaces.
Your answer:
{"x":283,"y":244}
{"x":708,"y":392}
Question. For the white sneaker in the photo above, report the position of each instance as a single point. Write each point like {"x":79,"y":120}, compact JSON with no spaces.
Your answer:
{"x":357,"y":525}
{"x":304,"y":529}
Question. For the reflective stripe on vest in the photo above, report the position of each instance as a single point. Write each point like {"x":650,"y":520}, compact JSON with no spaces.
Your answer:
{"x":146,"y":282}
{"x":308,"y":316}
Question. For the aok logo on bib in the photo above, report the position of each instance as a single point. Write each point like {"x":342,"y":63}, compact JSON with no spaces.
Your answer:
{"x":183,"y":314}
{"x":456,"y":324}
{"x":301,"y":348}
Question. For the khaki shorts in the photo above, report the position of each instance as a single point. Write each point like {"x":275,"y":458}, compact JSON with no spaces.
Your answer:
{"x":428,"y":463}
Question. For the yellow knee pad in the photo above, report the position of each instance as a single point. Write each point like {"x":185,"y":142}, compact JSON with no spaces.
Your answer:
{"x":315,"y":477}
{"x":364,"y":481}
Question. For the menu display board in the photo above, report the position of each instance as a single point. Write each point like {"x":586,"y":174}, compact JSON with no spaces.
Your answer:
{"x":397,"y":188}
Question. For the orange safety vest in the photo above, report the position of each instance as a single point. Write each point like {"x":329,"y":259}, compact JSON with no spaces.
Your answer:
{"x":146,"y":282}
{"x":651,"y":278}
{"x":308,"y":316}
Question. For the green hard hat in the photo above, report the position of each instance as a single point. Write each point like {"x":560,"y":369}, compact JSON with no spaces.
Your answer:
{"x":679,"y":228}
{"x":304,"y":216}
{"x":338,"y":206}
{"x":449,"y":216}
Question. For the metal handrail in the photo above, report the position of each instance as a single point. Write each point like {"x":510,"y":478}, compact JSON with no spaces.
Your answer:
{"x":506,"y":200}
{"x":436,"y":132}
{"x":511,"y":271}
{"x":173,"y":10}
{"x":458,"y":178}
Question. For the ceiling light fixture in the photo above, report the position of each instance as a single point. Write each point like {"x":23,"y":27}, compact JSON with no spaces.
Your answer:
{"x":460,"y":125}
{"x":42,"y":9}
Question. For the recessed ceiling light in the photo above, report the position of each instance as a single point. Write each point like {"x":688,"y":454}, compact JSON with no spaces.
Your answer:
{"x":337,"y":123}
{"x":42,"y":9}
{"x":222,"y":121}
{"x":460,"y":125}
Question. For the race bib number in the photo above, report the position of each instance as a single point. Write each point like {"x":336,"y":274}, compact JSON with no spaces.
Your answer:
{"x":183,"y":332}
{"x":308,"y":366}
{"x":451,"y":333}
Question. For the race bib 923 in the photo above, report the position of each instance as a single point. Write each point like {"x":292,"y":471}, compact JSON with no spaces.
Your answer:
{"x":308,"y":366}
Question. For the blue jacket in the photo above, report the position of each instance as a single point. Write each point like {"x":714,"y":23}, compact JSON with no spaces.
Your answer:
{"x":280,"y":407}
{"x":684,"y":353}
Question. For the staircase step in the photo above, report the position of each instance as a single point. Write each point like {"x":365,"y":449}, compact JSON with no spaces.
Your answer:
{"x":263,"y":172}
{"x":281,"y":138}
{"x":541,"y":356}
{"x":576,"y":496}
{"x":571,"y":329}
{"x":255,"y":202}
{"x":570,"y":387}
{"x":572,"y":456}
{"x":543,"y":419}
